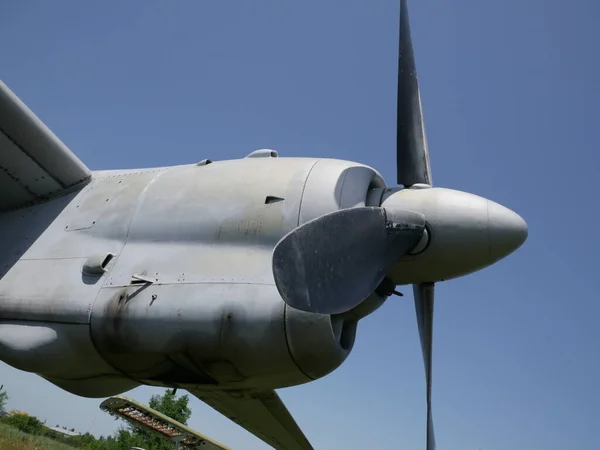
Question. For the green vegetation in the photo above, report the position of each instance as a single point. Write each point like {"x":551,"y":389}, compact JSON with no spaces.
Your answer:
{"x":175,"y":408}
{"x":23,"y":432}
{"x":13,"y":439}
{"x":26,"y":424}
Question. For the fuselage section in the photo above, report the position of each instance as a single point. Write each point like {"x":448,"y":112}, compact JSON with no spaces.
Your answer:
{"x":163,"y":276}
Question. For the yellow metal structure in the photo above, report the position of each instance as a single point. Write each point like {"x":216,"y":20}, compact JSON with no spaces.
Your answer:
{"x":147,"y":418}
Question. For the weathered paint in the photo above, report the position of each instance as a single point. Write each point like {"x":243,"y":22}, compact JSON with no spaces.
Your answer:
{"x":211,"y":315}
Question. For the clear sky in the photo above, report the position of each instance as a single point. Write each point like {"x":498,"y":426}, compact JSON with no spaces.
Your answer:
{"x":511,"y":100}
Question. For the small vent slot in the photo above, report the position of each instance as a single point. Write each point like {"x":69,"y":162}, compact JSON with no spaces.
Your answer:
{"x":107,"y":260}
{"x":272,"y":199}
{"x":96,"y":265}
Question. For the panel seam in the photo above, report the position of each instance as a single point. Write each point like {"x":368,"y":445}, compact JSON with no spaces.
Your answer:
{"x":33,"y":159}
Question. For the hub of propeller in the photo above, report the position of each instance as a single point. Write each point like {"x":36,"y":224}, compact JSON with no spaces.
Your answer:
{"x":332,"y":264}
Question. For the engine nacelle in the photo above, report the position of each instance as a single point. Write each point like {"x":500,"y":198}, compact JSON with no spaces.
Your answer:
{"x":333,"y":185}
{"x":212,"y":315}
{"x":231,"y":334}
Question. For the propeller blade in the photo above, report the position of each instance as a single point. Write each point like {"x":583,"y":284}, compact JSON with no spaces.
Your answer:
{"x":331,"y":264}
{"x":412,"y":154}
{"x":424,"y":294}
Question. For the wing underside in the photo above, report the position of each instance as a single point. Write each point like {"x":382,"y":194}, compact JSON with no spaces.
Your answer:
{"x":34,"y":164}
{"x":262,"y":413}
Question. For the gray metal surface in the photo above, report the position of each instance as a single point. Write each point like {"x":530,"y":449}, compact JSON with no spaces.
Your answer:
{"x":260,"y":412}
{"x":331,"y":264}
{"x":412,"y":152}
{"x":460,"y":226}
{"x":424,"y":301}
{"x":174,"y":277}
{"x":34,"y":164}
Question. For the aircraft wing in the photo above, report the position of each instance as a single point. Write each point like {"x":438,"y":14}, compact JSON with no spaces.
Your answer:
{"x":262,"y":413}
{"x":34,"y":164}
{"x":144,"y":417}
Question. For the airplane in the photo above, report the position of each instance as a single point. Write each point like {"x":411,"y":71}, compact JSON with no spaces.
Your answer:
{"x":229,"y":279}
{"x":143,"y":417}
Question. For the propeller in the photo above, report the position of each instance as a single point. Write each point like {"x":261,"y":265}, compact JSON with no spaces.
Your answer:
{"x":413,"y":167}
{"x":412,"y":153}
{"x":423,"y":294}
{"x":331,"y":264}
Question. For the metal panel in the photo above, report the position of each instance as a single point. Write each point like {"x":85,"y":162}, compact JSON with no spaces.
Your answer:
{"x":334,"y":184}
{"x":31,"y":135}
{"x":28,"y":231}
{"x":37,"y":162}
{"x":21,"y":167}
{"x":262,"y":413}
{"x":51,"y":349}
{"x":187,"y":263}
{"x":193,"y":204}
{"x":232,"y":333}
{"x":99,"y":386}
{"x":53,"y":290}
{"x":96,"y":221}
{"x":13,"y":194}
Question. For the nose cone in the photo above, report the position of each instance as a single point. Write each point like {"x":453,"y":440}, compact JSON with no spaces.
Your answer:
{"x":466,"y":233}
{"x":508,"y":230}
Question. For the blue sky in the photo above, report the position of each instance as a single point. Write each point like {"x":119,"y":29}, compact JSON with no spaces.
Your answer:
{"x":511,"y":102}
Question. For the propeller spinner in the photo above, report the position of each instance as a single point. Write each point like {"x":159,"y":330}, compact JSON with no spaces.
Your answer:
{"x":333,"y":263}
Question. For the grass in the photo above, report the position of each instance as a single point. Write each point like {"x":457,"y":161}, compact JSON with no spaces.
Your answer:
{"x":13,"y":439}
